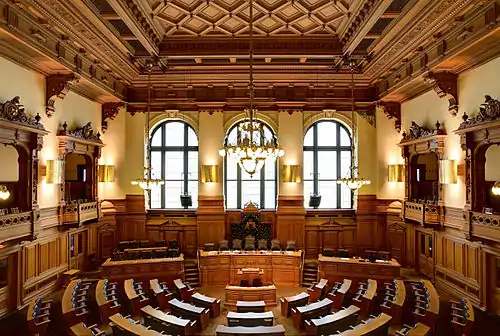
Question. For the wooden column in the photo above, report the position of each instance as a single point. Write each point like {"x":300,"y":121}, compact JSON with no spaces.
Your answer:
{"x":368,"y":233}
{"x":211,"y":219}
{"x":290,"y":219}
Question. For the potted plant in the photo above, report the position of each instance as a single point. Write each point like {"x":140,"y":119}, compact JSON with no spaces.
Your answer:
{"x":314,"y":200}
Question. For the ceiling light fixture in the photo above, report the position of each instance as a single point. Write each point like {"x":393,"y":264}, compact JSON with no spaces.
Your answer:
{"x":252,"y":148}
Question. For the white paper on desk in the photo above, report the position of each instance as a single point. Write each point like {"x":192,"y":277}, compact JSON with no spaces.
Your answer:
{"x":344,"y":258}
{"x":380,"y":261}
{"x":212,"y":252}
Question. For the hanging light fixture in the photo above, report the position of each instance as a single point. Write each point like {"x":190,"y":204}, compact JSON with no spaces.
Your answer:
{"x":252,"y":148}
{"x":352,"y":180}
{"x":4,"y":192}
{"x":496,"y":188}
{"x":146,"y":182}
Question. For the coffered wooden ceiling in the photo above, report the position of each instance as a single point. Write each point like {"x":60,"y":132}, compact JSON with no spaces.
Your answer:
{"x":201,"y":47}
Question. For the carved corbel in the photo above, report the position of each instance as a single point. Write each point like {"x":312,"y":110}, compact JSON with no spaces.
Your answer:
{"x":57,"y":86}
{"x":368,"y":114}
{"x":445,"y":85}
{"x":109,"y":111}
{"x":392,"y":110}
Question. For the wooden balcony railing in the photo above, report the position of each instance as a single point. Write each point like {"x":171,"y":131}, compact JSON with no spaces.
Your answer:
{"x":485,"y":225}
{"x":78,"y":213}
{"x":14,"y":226}
{"x":425,"y":214}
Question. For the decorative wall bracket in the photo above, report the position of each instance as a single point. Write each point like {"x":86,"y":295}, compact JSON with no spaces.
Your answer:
{"x":109,"y":111}
{"x":445,"y":85}
{"x":57,"y":86}
{"x":392,"y":110}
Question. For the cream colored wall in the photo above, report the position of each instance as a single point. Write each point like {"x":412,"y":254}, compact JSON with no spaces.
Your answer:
{"x":210,"y":136}
{"x":10,"y":167}
{"x":290,"y":137}
{"x":135,"y":149}
{"x":367,"y":155}
{"x":492,"y":170}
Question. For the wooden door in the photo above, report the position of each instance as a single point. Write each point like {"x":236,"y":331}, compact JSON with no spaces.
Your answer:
{"x":8,"y":283}
{"x":425,"y":253}
{"x":493,"y":283}
{"x":78,"y":250}
{"x":397,"y":242}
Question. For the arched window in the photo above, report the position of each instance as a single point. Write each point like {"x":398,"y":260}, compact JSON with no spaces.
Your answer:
{"x":174,"y":158}
{"x":327,"y":158}
{"x":240,"y":188}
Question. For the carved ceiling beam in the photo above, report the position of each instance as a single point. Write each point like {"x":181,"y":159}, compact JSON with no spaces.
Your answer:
{"x":392,"y":110}
{"x":138,"y":23}
{"x":450,"y":52}
{"x":446,"y":86}
{"x":57,"y":86}
{"x":109,"y":111}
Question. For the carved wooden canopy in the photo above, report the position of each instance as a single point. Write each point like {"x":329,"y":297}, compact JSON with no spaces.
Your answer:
{"x":422,"y":140}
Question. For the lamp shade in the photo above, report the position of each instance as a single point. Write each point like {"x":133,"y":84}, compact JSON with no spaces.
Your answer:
{"x":396,"y":173}
{"x":209,"y":174}
{"x":447,"y":172}
{"x":106,"y":173}
{"x":290,"y":174}
{"x":4,"y":192}
{"x":54,"y":172}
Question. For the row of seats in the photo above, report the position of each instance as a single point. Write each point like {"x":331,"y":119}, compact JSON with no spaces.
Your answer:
{"x":426,"y":306}
{"x":38,"y":316}
{"x":75,"y":301}
{"x":462,"y":317}
{"x":250,"y":245}
{"x":138,"y":244}
{"x":106,"y":299}
{"x":394,"y":299}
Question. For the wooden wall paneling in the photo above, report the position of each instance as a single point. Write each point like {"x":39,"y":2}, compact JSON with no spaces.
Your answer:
{"x":425,"y":261}
{"x":106,"y":242}
{"x":211,"y":219}
{"x":396,"y":241}
{"x":10,"y":294}
{"x":367,"y":224}
{"x":290,"y":219}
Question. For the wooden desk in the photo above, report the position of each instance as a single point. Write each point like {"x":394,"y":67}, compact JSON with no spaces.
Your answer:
{"x":183,"y":291}
{"x":418,"y":330}
{"x":73,"y":313}
{"x":277,"y":330}
{"x":290,"y":302}
{"x":161,"y":293}
{"x":317,"y":291}
{"x":336,"y":269}
{"x":364,"y":298}
{"x":376,"y":326}
{"x":250,"y":306}
{"x":337,"y":294}
{"x":136,"y":296}
{"x":146,"y":249}
{"x":250,"y":319}
{"x":222,"y":268}
{"x":171,"y":324}
{"x":428,"y":316}
{"x":164,"y":269}
{"x":68,"y":276}
{"x":107,"y":303}
{"x":125,"y":325}
{"x":207,"y":302}
{"x":81,"y":329}
{"x":393,"y":305}
{"x":188,"y":311}
{"x":310,"y":311}
{"x":38,"y":316}
{"x":237,"y":293}
{"x":249,"y":274}
{"x":332,"y":323}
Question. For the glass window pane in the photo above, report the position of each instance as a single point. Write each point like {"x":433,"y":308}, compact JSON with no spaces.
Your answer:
{"x":156,"y":138}
{"x":327,"y":133}
{"x":308,"y":190}
{"x":327,"y":165}
{"x":156,"y":197}
{"x":250,"y":191}
{"x":309,"y":138}
{"x":345,"y":197}
{"x":231,"y":195}
{"x":328,"y":192}
{"x":308,"y":165}
{"x":270,"y":171}
{"x":174,"y":165}
{"x":231,"y":169}
{"x":345,"y":163}
{"x":270,"y":195}
{"x":232,"y":136}
{"x":246,"y":176}
{"x":192,"y":138}
{"x":345,"y":138}
{"x":193,"y":165}
{"x":174,"y":133}
{"x":193,"y":190}
{"x":156,"y":164}
{"x":172,"y":194}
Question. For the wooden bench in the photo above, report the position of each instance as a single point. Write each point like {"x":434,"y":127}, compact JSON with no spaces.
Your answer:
{"x":183,"y":290}
{"x":207,"y":302}
{"x":374,"y":326}
{"x":277,"y":330}
{"x":124,"y":325}
{"x":290,"y":302}
{"x":38,"y":316}
{"x":462,"y":317}
{"x":166,"y":322}
{"x":338,"y":292}
{"x":317,"y":291}
{"x":190,"y":312}
{"x":418,"y":329}
{"x":332,"y":323}
{"x":161,"y":293}
{"x":310,"y":311}
{"x":364,"y":297}
{"x":136,"y":295}
{"x":394,"y":299}
{"x":106,"y":299}
{"x":250,"y":306}
{"x":235,"y":319}
{"x":81,"y":329}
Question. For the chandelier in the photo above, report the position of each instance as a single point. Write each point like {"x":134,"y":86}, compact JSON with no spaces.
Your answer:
{"x":146,"y":182}
{"x":353,"y":180}
{"x":496,"y":188}
{"x":252,"y":148}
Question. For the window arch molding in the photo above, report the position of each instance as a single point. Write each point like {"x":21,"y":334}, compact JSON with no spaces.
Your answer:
{"x":229,"y":124}
{"x":239,"y":188}
{"x":326,"y":159}
{"x":189,"y":118}
{"x":341,"y":118}
{"x":174,"y":159}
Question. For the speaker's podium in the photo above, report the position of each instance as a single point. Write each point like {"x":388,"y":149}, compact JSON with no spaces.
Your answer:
{"x":249,"y":277}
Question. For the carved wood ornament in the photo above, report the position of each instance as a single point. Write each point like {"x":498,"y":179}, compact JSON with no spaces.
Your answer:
{"x":445,"y":85}
{"x":392,"y":110}
{"x":109,"y":111}
{"x":57,"y":86}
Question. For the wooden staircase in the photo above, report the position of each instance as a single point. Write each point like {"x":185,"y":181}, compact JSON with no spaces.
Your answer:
{"x":191,"y":273}
{"x":310,"y":273}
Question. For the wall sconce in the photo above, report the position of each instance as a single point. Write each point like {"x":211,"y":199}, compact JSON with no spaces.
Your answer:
{"x":53,"y":172}
{"x":495,"y":190}
{"x":290,"y":174}
{"x":396,"y":173}
{"x":209,"y":174}
{"x":106,"y":173}
{"x":448,"y":171}
{"x":4,"y":192}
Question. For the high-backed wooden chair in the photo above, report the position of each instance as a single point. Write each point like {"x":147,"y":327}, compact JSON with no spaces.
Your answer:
{"x":237,"y":244}
{"x":262,"y":244}
{"x":275,"y":245}
{"x":224,"y":245}
{"x":249,"y":243}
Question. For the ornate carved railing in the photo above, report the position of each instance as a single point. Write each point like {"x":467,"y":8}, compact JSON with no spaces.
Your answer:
{"x":78,"y":213}
{"x":14,"y":226}
{"x":429,"y":214}
{"x":484,"y":225}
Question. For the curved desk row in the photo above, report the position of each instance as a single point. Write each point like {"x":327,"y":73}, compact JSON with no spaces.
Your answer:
{"x":122,"y":325}
{"x":376,"y":325}
{"x":394,"y":300}
{"x":237,"y":293}
{"x":171,"y":324}
{"x":290,"y":302}
{"x":338,"y":293}
{"x":332,"y":323}
{"x":364,"y":297}
{"x":38,"y":316}
{"x":136,"y":295}
{"x":106,"y":299}
{"x":265,"y":319}
{"x":190,"y":312}
{"x":161,"y":293}
{"x":426,"y":303}
{"x":310,"y":311}
{"x":74,"y":302}
{"x":277,"y":330}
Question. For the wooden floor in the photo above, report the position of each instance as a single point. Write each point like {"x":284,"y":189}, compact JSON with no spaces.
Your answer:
{"x":485,"y":324}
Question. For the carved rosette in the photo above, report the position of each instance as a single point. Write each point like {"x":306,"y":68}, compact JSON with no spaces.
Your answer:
{"x":57,"y":86}
{"x":445,"y":85}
